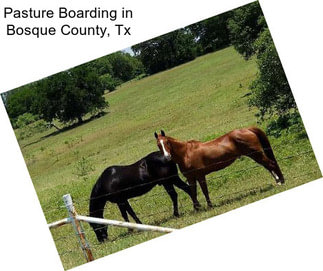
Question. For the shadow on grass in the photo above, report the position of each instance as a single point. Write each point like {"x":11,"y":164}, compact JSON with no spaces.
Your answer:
{"x":67,"y":128}
{"x":238,"y":197}
{"x":244,"y":194}
{"x":302,"y":135}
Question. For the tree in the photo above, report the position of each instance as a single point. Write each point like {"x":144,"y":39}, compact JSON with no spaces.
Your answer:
{"x":271,"y":92}
{"x":70,"y":95}
{"x":100,"y":66}
{"x":124,"y":66}
{"x":212,"y":34}
{"x":166,"y":51}
{"x":245,"y":26}
{"x":108,"y":82}
{"x":20,"y":101}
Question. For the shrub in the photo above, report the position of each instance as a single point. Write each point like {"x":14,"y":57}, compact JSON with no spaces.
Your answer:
{"x":25,"y":119}
{"x":270,"y":91}
{"x":83,"y":167}
{"x":108,"y":82}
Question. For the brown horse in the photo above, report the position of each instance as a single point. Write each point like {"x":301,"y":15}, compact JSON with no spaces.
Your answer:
{"x":197,"y":159}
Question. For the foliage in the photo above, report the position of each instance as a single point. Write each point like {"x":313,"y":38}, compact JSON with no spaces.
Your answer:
{"x":100,"y":66}
{"x":70,"y":95}
{"x":166,"y":51}
{"x":192,"y":101}
{"x":291,"y":122}
{"x":125,"y":66}
{"x":108,"y":82}
{"x":25,"y":119}
{"x":245,"y":25}
{"x":28,"y":126}
{"x":83,"y":167}
{"x":20,"y":101}
{"x":271,"y":93}
{"x":211,"y":34}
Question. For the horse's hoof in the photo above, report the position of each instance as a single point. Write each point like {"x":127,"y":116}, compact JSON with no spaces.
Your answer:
{"x":176,"y":215}
{"x":210,"y":205}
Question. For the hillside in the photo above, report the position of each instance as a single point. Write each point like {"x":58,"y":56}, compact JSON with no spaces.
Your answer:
{"x":201,"y":100}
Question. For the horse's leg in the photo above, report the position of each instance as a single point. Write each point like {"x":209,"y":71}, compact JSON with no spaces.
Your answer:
{"x":202,"y":182}
{"x":123,"y":211}
{"x":173,"y":195}
{"x":132,"y":213}
{"x":192,"y":184}
{"x":267,"y":163}
{"x":182,"y":185}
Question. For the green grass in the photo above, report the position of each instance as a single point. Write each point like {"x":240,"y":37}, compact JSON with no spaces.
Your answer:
{"x":199,"y":100}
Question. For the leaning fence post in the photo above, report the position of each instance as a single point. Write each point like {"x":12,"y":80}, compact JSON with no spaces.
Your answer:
{"x":78,"y":228}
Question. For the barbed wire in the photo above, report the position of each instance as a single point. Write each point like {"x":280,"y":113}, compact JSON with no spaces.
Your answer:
{"x":249,"y":191}
{"x":136,"y":233}
{"x":143,"y":216}
{"x":187,"y":172}
{"x":256,"y":166}
{"x":273,"y":146}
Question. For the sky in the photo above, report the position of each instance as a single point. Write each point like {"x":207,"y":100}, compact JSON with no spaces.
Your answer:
{"x":128,"y":50}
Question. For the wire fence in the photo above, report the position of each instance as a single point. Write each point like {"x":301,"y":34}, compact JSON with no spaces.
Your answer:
{"x":160,"y":180}
{"x":228,"y":197}
{"x":155,"y":213}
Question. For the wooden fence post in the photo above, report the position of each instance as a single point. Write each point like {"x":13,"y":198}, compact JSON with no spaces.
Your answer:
{"x":78,"y":228}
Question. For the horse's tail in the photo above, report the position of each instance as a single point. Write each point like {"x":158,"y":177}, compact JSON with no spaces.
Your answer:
{"x":264,"y":142}
{"x":268,"y":150}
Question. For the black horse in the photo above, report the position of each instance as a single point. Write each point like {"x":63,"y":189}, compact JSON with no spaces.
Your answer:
{"x":117,"y":184}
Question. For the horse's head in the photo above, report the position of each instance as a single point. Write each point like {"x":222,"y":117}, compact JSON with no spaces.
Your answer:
{"x":163,"y":144}
{"x":101,"y":232}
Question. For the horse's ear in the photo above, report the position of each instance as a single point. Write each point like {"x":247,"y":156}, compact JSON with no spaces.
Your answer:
{"x":162,"y":132}
{"x":156,"y":135}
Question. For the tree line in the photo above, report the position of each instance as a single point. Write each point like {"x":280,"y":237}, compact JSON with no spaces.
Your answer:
{"x":70,"y":95}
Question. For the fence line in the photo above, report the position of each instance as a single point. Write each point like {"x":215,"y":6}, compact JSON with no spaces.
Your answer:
{"x":129,"y":225}
{"x":76,"y":219}
{"x":215,"y":177}
{"x":59,"y":223}
{"x":272,"y":147}
{"x":78,"y":228}
{"x":256,"y":166}
{"x":247,"y":190}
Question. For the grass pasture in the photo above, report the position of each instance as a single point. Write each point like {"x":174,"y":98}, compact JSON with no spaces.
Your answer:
{"x":201,"y":100}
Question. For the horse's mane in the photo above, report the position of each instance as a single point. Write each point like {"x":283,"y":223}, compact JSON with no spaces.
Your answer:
{"x":180,"y":141}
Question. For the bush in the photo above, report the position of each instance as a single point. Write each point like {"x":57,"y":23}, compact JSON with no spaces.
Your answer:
{"x":24,"y":120}
{"x":290,"y":123}
{"x":20,"y":101}
{"x":124,"y":66}
{"x":270,"y":91}
{"x":108,"y":82}
{"x":244,"y":26}
{"x":83,"y":167}
{"x":29,"y":129}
